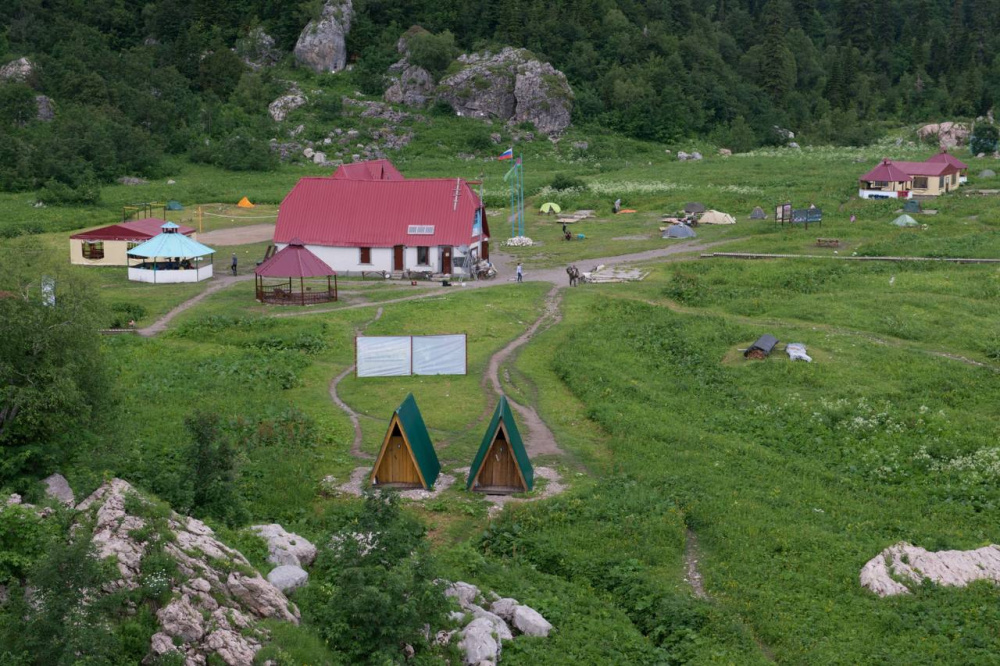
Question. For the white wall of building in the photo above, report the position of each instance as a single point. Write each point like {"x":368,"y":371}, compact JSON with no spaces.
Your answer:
{"x":347,"y":260}
{"x":170,"y":277}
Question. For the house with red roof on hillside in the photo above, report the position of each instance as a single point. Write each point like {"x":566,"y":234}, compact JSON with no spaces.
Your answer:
{"x":945,"y":156}
{"x":901,"y":180}
{"x":386,"y":223}
{"x":109,"y":245}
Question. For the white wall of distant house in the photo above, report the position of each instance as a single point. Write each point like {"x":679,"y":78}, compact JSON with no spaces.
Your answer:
{"x":347,"y":260}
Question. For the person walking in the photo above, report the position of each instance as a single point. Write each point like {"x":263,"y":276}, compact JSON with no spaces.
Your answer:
{"x":234,"y":263}
{"x":520,"y":272}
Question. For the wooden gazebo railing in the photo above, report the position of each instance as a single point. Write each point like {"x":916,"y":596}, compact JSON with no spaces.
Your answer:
{"x":290,"y":293}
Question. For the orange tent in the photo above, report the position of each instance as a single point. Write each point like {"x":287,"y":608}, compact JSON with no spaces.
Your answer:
{"x":245,"y":203}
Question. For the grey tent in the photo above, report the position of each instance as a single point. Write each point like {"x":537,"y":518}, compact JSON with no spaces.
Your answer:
{"x":762,"y":348}
{"x":679,"y":231}
{"x":911,"y":206}
{"x":905,"y":220}
{"x":694,"y":207}
{"x":987,"y":173}
{"x":173,"y":204}
{"x":758,"y":214}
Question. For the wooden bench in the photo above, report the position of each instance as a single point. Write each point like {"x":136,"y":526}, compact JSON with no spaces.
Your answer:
{"x":827,"y":242}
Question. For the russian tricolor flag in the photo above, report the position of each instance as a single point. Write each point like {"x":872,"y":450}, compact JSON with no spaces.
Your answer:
{"x":507,"y":154}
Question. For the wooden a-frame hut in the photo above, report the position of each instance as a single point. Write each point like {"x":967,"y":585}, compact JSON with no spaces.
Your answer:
{"x":501,"y":465}
{"x":407,"y":458}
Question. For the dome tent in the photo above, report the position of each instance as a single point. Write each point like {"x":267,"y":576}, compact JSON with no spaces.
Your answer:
{"x":716,"y":217}
{"x":905,"y":220}
{"x":758,"y":214}
{"x":679,"y":231}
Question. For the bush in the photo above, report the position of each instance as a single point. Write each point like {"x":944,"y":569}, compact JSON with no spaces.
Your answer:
{"x":564,"y":182}
{"x":123,"y":313}
{"x":328,"y":107}
{"x":686,"y":288}
{"x":432,"y":52}
{"x":211,"y":461}
{"x":985,"y":139}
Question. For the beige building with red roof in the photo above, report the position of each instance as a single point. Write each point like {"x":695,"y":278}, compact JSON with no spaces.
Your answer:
{"x":109,"y":245}
{"x":901,"y":180}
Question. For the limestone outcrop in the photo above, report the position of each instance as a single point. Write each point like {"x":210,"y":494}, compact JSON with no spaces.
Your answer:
{"x":890,"y":572}
{"x":321,"y":45}
{"x":949,"y":134}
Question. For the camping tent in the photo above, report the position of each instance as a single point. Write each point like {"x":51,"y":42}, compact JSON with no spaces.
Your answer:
{"x":911,"y":206}
{"x":173,"y":204}
{"x":407,"y":458}
{"x":550,"y":208}
{"x":245,"y":203}
{"x":987,"y":173}
{"x":758,"y":214}
{"x":679,"y":231}
{"x":694,"y":207}
{"x":501,"y":465}
{"x":905,"y":220}
{"x":716,"y":217}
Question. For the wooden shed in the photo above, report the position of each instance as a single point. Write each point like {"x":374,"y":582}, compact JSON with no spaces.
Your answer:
{"x":501,"y":465}
{"x":407,"y":458}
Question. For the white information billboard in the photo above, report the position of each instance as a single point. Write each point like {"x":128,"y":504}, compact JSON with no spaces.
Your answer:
{"x":395,"y":356}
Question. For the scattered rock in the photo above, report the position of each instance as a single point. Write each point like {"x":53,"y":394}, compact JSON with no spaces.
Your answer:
{"x":411,"y":85}
{"x":308,"y":153}
{"x":57,"y":487}
{"x":981,"y":155}
{"x":695,"y":155}
{"x":132,"y":180}
{"x":725,"y":152}
{"x":257,"y":49}
{"x":530,"y":622}
{"x":281,"y":107}
{"x":505,"y":608}
{"x":478,"y":644}
{"x":682,"y":156}
{"x":286,"y":547}
{"x":288,"y":577}
{"x":443,"y":637}
{"x":466,"y":594}
{"x":583,"y":145}
{"x":949,"y":134}
{"x":954,"y":568}
{"x":161,"y":644}
{"x":509,"y":85}
{"x":321,"y":45}
{"x":171,"y":182}
{"x":792,"y":144}
{"x":45,"y":108}
{"x":19,"y":70}
{"x":319,"y":158}
{"x":783,"y":134}
{"x":500,"y":627}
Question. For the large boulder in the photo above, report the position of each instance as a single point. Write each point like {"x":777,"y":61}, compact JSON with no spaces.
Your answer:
{"x":281,"y":107}
{"x":218,"y":598}
{"x":530,"y":622}
{"x":411,"y":85}
{"x":287,"y":577}
{"x":286,"y":547}
{"x":949,"y":134}
{"x":478,"y":644}
{"x":466,"y":594}
{"x":19,"y":70}
{"x":321,"y":45}
{"x":509,"y":85}
{"x":912,"y":564}
{"x":500,"y":627}
{"x":57,"y":487}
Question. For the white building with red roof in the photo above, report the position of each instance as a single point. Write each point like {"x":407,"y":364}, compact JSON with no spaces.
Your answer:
{"x":385,"y":224}
{"x":109,"y":245}
{"x":901,"y":180}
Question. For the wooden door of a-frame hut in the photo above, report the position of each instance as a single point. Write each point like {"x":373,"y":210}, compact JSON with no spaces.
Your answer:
{"x":499,"y":473}
{"x":396,"y":467}
{"x":397,"y":258}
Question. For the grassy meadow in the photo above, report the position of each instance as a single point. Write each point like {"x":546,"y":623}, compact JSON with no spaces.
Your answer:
{"x":789,"y":476}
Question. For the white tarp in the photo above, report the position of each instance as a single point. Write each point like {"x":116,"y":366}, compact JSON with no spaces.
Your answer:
{"x":797,"y":352}
{"x":395,"y":356}
{"x":439,"y":355}
{"x":384,"y":356}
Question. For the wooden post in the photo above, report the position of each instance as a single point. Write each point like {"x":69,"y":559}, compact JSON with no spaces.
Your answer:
{"x":302,"y":291}
{"x":199,"y":219}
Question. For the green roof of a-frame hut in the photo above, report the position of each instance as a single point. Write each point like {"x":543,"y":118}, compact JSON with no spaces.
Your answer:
{"x":516,"y":445}
{"x":415,"y":432}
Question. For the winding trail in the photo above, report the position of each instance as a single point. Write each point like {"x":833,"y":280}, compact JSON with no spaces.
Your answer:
{"x":351,"y":414}
{"x":691,"y":573}
{"x":221,"y":282}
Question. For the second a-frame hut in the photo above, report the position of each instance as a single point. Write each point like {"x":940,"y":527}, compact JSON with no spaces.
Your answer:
{"x":501,"y":465}
{"x":407,"y":458}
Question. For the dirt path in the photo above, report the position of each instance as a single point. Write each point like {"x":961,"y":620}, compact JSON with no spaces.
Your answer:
{"x":254,"y":233}
{"x":220,"y":282}
{"x":691,"y":556}
{"x":539,"y":440}
{"x":351,"y":414}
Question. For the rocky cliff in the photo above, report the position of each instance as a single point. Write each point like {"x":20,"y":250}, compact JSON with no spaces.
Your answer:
{"x":321,"y":45}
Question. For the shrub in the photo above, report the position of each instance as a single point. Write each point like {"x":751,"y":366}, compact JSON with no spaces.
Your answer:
{"x":328,"y":107}
{"x":211,"y":461}
{"x":563,"y":182}
{"x":985,"y":139}
{"x":686,"y":288}
{"x":432,"y":52}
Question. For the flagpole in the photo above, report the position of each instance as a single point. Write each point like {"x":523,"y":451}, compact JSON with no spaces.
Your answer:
{"x":520,"y":159}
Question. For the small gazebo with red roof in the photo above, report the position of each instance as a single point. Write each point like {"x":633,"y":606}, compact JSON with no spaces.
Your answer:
{"x":291,"y":262}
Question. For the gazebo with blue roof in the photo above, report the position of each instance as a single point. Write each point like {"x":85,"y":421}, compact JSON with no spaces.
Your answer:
{"x":170,"y":257}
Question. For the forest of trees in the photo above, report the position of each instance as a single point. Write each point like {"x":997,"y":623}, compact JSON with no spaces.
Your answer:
{"x":134,"y":80}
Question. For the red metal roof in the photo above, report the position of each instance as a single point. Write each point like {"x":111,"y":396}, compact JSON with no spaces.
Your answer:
{"x":887,"y":172}
{"x":371,"y":170}
{"x":294,"y":260}
{"x":945,"y":156}
{"x":926,"y":168}
{"x":135,"y":230}
{"x":369,"y":213}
